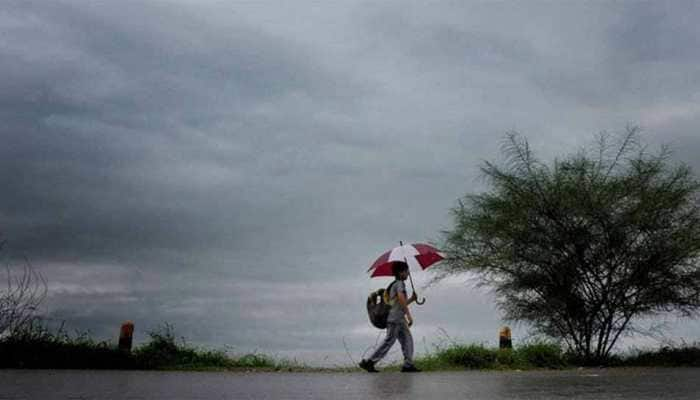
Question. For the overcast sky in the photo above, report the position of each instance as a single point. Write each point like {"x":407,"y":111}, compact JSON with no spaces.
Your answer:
{"x":233,"y":168}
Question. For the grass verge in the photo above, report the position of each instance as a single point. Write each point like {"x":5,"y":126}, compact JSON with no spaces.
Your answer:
{"x":477,"y":356}
{"x":37,"y":347}
{"x":683,"y":355}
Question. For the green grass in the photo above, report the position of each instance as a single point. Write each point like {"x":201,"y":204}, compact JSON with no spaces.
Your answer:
{"x":548,"y":355}
{"x":683,"y":355}
{"x":477,"y":356}
{"x":37,"y":347}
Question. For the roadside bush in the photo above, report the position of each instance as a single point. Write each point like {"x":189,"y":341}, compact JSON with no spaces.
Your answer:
{"x":36,"y":346}
{"x":160,"y":351}
{"x":470,"y":356}
{"x":542,"y":355}
{"x":538,"y":354}
{"x":507,"y":358}
{"x":253,"y":360}
{"x":667,"y":356}
{"x":163,"y":352}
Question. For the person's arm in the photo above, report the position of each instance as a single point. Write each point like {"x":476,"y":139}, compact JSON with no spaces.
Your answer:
{"x":404,"y":304}
{"x":413,"y":298}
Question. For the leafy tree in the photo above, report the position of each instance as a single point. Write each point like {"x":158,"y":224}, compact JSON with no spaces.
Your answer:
{"x":581,"y":247}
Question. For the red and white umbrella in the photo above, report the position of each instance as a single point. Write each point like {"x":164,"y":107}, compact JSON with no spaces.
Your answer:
{"x":424,"y":254}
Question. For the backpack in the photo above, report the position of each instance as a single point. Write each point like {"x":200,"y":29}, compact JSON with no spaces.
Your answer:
{"x":378,"y":306}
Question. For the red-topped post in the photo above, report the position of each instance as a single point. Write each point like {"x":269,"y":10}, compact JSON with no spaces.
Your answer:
{"x":126,"y":336}
{"x":504,"y":339}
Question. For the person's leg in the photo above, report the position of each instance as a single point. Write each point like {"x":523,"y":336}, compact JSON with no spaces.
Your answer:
{"x":406,"y":340}
{"x":391,"y":336}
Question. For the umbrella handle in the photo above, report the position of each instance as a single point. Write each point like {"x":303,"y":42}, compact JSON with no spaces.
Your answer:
{"x":419,"y":302}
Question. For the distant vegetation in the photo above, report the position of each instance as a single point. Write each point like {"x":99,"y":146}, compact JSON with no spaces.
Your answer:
{"x":477,"y":356}
{"x":686,"y":355}
{"x":38,"y":347}
{"x":548,"y":355}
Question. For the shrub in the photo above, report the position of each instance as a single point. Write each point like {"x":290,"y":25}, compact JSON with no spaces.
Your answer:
{"x":538,"y":354}
{"x":253,"y":360}
{"x":542,"y":355}
{"x":160,"y":351}
{"x":667,"y":356}
{"x":507,"y":358}
{"x":36,"y":346}
{"x":469,"y":356}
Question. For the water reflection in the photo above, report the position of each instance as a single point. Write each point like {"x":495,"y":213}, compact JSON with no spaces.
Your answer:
{"x":389,"y":385}
{"x":623,"y":384}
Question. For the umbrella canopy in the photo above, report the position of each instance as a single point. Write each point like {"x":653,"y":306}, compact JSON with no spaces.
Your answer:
{"x":426,"y":256}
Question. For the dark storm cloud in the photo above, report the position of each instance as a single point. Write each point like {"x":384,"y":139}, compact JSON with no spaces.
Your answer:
{"x":144,"y":128}
{"x":233,"y":169}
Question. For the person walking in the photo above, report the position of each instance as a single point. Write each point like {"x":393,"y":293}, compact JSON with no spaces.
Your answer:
{"x":398,"y":323}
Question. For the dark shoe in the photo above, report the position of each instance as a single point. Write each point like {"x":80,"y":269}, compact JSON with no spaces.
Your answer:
{"x":410,"y":368}
{"x":368,"y":366}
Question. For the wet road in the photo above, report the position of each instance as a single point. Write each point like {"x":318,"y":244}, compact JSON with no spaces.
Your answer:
{"x":574,"y":384}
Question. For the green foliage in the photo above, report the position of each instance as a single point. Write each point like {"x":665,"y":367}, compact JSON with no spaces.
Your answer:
{"x":254,"y":360}
{"x":667,"y":356}
{"x":508,"y":359}
{"x":36,"y":346}
{"x":542,"y":355}
{"x":579,"y":247}
{"x":164,"y":352}
{"x":469,"y":356}
{"x":478,"y":356}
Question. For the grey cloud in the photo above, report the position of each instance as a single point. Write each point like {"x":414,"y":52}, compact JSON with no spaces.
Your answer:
{"x":662,"y":32}
{"x":123,"y":148}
